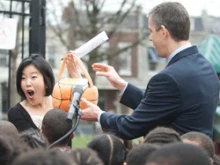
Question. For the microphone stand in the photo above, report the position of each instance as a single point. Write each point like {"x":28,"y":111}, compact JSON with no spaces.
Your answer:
{"x":74,"y":126}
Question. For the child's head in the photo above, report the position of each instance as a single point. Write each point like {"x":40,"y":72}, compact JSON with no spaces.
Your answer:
{"x":110,"y":149}
{"x":178,"y":154}
{"x":84,"y":156}
{"x":202,"y":140}
{"x":11,"y":146}
{"x":7,"y":127}
{"x":139,"y":154}
{"x":55,"y":125}
{"x":34,"y":138}
{"x":45,"y":157}
{"x":162,"y":135}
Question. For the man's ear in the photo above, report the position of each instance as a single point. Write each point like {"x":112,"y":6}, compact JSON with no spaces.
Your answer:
{"x":165,"y":31}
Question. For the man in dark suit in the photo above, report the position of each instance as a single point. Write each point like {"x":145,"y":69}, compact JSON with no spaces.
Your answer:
{"x":183,"y":96}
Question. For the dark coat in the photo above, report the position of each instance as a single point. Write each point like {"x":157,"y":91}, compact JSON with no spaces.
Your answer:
{"x":183,"y":96}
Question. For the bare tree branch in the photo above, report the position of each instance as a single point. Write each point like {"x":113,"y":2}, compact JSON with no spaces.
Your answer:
{"x":84,"y":22}
{"x":57,"y":29}
{"x":121,"y":16}
{"x":111,"y":54}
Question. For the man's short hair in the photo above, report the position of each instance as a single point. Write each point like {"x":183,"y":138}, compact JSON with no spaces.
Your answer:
{"x":174,"y":17}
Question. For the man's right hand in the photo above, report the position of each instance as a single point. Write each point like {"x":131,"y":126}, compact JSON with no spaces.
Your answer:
{"x":110,"y":73}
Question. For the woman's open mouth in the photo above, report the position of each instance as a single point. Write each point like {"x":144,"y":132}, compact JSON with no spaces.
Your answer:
{"x":30,"y":93}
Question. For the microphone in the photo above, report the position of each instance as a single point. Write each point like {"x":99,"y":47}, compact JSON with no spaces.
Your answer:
{"x":74,"y":105}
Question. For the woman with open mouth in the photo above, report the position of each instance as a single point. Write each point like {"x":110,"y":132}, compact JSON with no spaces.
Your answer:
{"x":34,"y":81}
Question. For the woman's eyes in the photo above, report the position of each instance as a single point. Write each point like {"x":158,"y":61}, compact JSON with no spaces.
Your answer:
{"x":34,"y":77}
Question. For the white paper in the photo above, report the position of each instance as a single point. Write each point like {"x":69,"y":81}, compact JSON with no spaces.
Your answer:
{"x":8,"y":31}
{"x":91,"y":44}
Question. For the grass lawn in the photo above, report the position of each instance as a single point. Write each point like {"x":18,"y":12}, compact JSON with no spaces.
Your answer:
{"x":80,"y":141}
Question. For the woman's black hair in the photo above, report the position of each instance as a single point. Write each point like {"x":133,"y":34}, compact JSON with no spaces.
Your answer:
{"x":44,"y":68}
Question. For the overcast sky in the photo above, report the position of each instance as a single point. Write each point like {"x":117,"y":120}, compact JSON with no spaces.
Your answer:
{"x":194,"y":7}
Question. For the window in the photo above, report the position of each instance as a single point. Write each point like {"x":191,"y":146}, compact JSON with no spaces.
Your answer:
{"x":192,"y":24}
{"x":125,"y":59}
{"x":102,"y":99}
{"x":51,"y":51}
{"x":26,"y":49}
{"x":3,"y":61}
{"x":3,"y":58}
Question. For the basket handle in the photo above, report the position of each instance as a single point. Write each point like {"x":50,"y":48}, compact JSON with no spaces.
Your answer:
{"x":82,"y":67}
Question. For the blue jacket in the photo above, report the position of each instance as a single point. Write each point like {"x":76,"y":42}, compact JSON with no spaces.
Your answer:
{"x":183,"y":96}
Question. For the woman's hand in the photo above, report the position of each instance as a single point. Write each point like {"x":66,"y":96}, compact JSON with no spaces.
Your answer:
{"x":72,"y":65}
